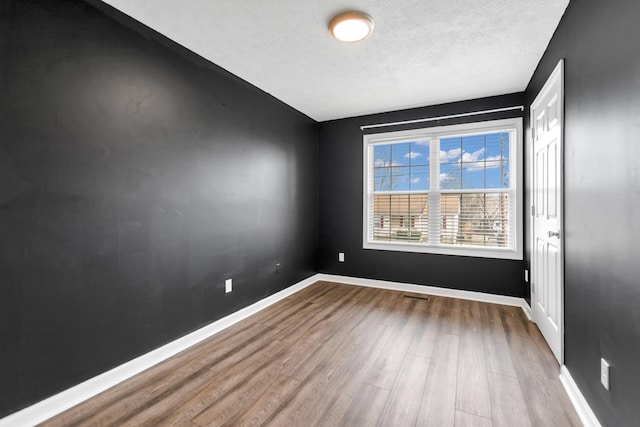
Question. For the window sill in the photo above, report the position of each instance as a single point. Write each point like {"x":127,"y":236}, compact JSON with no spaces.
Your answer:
{"x":459,"y":250}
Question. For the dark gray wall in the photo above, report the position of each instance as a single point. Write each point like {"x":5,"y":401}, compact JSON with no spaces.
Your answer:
{"x":341,"y":210}
{"x":134,"y":178}
{"x":600,"y":42}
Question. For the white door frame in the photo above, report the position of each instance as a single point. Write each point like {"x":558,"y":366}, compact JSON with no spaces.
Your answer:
{"x":558,"y":73}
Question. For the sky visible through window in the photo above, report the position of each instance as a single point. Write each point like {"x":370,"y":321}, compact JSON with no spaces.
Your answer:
{"x":467,"y":162}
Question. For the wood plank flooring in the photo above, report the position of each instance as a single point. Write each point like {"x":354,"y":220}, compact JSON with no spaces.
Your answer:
{"x":341,"y":355}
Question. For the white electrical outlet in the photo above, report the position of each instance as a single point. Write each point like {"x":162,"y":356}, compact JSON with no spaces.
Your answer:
{"x":341,"y":256}
{"x":604,"y":373}
{"x":228,"y":286}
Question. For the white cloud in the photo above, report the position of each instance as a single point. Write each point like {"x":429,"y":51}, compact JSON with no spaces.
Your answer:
{"x":492,"y":162}
{"x":415,"y":180}
{"x":412,"y":155}
{"x":471,"y":162}
{"x":445,"y":177}
{"x":472,"y":157}
{"x":379,"y":163}
{"x":446,"y":156}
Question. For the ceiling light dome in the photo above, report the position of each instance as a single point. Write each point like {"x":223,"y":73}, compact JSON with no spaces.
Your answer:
{"x":351,"y":26}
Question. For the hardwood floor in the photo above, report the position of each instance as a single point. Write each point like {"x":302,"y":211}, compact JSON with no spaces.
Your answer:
{"x":341,"y":355}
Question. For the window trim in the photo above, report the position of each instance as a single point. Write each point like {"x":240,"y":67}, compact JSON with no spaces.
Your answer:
{"x":515,"y":165}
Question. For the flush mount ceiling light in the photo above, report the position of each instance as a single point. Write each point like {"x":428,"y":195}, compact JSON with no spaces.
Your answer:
{"x":351,"y":27}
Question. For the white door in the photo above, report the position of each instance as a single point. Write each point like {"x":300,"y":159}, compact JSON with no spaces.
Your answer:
{"x":547,"y":289}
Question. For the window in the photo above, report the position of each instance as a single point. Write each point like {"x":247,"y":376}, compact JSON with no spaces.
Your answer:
{"x":448,"y":190}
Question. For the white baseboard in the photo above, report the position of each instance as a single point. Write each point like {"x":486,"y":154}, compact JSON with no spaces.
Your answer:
{"x":60,"y":402}
{"x":583,"y":409}
{"x":430,"y":290}
{"x":527,"y":310}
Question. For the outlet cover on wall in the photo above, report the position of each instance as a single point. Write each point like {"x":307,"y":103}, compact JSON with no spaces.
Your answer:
{"x":228,"y":286}
{"x":341,"y":256}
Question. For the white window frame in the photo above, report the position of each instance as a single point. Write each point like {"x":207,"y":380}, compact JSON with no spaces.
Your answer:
{"x":435,"y":134}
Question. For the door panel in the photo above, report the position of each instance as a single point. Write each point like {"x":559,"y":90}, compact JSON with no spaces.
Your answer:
{"x":540,"y":203}
{"x":552,"y":274}
{"x":553,"y":111}
{"x":539,"y":273}
{"x":552,"y":183}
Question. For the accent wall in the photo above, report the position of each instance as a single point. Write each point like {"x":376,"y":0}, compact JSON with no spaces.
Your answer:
{"x":341,"y":181}
{"x":135,"y":177}
{"x":599,"y":42}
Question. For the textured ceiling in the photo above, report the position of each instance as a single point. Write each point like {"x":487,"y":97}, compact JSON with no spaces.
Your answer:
{"x":422,"y":52}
